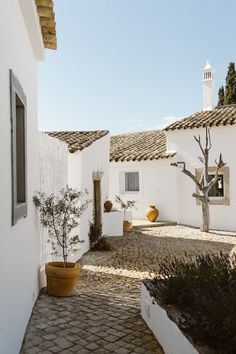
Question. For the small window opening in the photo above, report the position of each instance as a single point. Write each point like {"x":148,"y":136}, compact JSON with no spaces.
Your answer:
{"x":132,"y":181}
{"x":217,"y":191}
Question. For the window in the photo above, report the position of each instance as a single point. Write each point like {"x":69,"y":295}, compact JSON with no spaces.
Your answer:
{"x":217,"y":191}
{"x":219,"y":194}
{"x":18,"y":149}
{"x":131,"y":182}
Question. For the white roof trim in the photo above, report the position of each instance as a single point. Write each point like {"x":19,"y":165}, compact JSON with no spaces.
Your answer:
{"x":29,"y":11}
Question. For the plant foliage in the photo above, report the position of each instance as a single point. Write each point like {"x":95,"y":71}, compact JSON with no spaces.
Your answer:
{"x":227,"y":95}
{"x":221,"y":96}
{"x":60,"y":215}
{"x":96,"y":238}
{"x":129,"y":204}
{"x":204,"y":289}
{"x":230,"y":85}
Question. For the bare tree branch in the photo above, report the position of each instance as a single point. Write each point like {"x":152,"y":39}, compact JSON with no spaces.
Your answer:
{"x":198,"y":140}
{"x":201,"y":159}
{"x":198,"y":196}
{"x":219,"y":165}
{"x":204,"y":185}
{"x":209,"y":137}
{"x":182,"y":165}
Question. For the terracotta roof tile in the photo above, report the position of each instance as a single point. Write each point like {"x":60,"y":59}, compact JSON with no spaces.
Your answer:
{"x":47,"y":23}
{"x":147,"y":145}
{"x":79,"y":140}
{"x":219,"y":116}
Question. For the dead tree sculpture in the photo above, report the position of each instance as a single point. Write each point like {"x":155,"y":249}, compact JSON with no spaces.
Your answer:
{"x":205,"y":183}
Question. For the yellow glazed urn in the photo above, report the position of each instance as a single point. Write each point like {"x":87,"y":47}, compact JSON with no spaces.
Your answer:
{"x":152,"y":213}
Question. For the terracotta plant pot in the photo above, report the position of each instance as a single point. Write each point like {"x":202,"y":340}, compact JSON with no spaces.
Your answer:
{"x":127,"y":226}
{"x":152,"y":213}
{"x":61,"y":281}
{"x":108,"y":206}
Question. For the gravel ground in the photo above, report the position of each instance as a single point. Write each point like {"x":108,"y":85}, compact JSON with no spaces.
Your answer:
{"x":104,"y":316}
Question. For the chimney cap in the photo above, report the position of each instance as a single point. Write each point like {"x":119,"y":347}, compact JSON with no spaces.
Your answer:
{"x":208,"y":66}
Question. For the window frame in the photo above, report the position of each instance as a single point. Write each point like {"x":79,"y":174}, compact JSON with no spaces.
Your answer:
{"x":225,"y":200}
{"x":19,"y":210}
{"x":131,"y":192}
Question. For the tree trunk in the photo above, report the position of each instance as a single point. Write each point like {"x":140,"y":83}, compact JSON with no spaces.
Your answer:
{"x":205,"y":216}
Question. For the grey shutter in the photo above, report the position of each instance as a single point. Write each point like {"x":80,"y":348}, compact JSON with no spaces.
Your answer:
{"x":18,"y":149}
{"x":132,"y":181}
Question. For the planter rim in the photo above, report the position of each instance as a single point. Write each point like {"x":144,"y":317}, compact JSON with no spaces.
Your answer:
{"x":60,"y":265}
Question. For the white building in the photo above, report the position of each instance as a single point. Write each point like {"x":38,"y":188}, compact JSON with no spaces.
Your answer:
{"x":22,"y":45}
{"x":140,"y":165}
{"x":140,"y":170}
{"x":88,"y":169}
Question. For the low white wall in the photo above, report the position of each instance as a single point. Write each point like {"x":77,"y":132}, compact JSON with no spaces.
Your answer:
{"x":166,"y":331}
{"x":113,"y":223}
{"x":157,"y":186}
{"x":81,"y":166}
{"x":223,"y":141}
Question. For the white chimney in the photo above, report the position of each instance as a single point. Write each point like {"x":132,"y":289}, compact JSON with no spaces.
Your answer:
{"x":208,"y":87}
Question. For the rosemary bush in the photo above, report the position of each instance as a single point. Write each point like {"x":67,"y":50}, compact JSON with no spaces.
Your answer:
{"x":204,"y":289}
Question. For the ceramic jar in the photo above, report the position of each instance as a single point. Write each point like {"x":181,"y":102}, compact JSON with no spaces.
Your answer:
{"x":108,"y":206}
{"x":152,"y":213}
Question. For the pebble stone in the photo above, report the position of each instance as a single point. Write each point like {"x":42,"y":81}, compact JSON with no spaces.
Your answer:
{"x":104,"y":315}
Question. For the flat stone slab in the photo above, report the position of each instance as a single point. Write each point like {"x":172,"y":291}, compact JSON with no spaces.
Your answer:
{"x":146,"y":223}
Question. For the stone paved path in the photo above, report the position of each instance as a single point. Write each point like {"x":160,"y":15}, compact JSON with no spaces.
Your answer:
{"x":104,"y":315}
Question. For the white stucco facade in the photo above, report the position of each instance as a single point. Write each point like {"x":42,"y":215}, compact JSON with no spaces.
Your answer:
{"x":157,"y":182}
{"x":170,"y":190}
{"x":81,"y":168}
{"x":19,"y":244}
{"x":223,"y":141}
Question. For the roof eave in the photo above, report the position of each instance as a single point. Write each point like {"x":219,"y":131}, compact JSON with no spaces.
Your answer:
{"x":165,"y":156}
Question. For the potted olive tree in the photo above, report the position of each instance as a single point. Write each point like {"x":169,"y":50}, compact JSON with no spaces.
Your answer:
{"x":59,"y":215}
{"x":129,"y":204}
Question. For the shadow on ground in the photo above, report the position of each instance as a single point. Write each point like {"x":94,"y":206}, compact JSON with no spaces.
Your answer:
{"x":104,"y":315}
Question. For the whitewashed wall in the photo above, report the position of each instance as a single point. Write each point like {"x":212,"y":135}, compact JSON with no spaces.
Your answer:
{"x":53,"y":173}
{"x":19,"y":244}
{"x":81,"y":166}
{"x":223,"y":217}
{"x":53,"y":164}
{"x":157,"y":186}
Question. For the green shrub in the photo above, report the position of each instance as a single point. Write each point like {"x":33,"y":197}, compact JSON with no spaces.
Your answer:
{"x":102,"y":245}
{"x":97,"y":240}
{"x":204,"y":289}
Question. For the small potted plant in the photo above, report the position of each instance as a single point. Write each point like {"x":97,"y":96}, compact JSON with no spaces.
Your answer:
{"x":129,"y":204}
{"x":60,"y":215}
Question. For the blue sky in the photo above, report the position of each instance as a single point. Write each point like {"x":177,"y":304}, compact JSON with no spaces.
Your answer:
{"x":128,"y":65}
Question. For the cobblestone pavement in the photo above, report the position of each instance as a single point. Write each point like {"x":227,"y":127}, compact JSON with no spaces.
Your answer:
{"x":104,"y":315}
